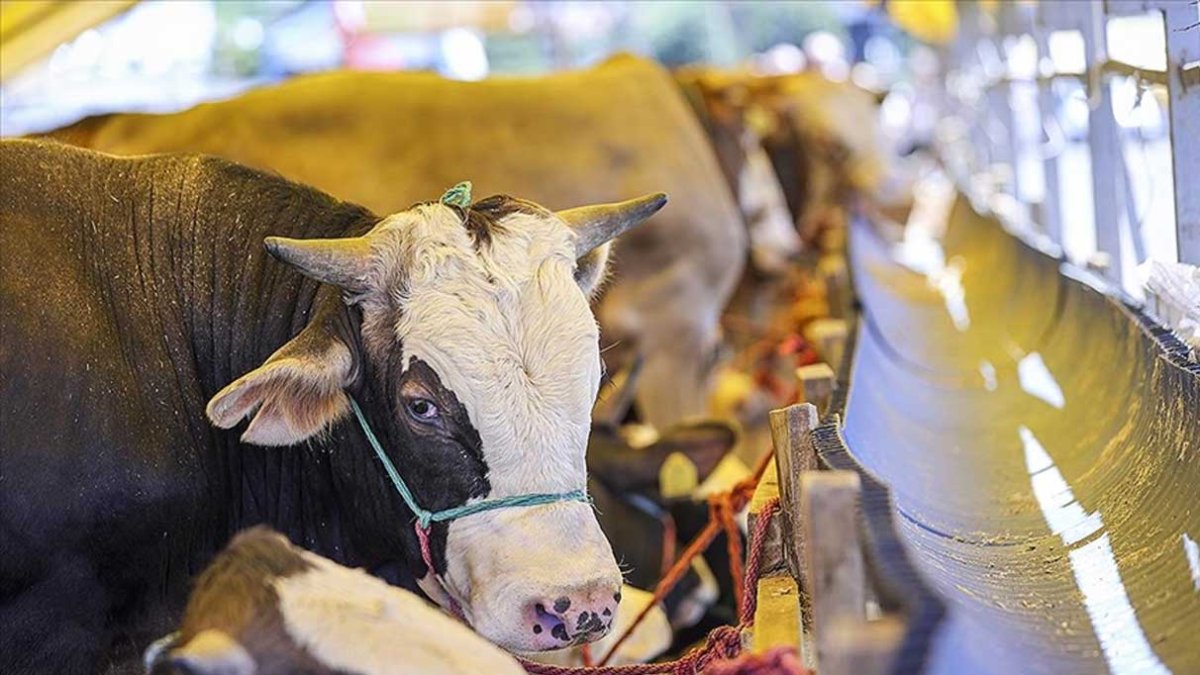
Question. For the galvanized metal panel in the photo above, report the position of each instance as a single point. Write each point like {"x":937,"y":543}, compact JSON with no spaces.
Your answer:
{"x":1103,"y":139}
{"x":1182,"y":26}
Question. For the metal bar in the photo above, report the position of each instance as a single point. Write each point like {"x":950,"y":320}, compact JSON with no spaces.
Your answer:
{"x":1103,"y":140}
{"x":1135,"y":224}
{"x":1182,"y":25}
{"x":1051,"y":209}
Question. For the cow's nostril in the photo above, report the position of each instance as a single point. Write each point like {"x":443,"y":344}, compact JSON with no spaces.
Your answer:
{"x":560,"y":621}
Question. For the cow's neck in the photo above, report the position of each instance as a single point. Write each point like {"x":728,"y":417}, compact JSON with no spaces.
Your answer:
{"x":241,"y":306}
{"x":328,"y":495}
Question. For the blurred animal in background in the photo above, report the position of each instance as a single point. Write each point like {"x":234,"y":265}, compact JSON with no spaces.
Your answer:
{"x":721,"y":108}
{"x":823,"y":137}
{"x":171,"y":384}
{"x":265,"y":606}
{"x":830,"y":155}
{"x":827,"y":144}
{"x":387,"y":140}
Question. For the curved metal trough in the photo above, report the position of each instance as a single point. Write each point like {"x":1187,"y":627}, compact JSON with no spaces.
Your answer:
{"x":1041,"y":441}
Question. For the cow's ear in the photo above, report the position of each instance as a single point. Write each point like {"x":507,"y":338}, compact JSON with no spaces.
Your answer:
{"x":209,"y":652}
{"x":297,"y":393}
{"x":590,"y":269}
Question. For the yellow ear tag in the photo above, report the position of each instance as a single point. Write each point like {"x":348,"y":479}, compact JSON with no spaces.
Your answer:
{"x":678,"y":476}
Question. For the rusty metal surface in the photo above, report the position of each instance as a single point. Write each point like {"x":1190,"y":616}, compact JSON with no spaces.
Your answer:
{"x":1042,"y":444}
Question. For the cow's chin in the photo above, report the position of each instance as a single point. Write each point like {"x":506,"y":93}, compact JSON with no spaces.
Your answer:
{"x":532,"y":579}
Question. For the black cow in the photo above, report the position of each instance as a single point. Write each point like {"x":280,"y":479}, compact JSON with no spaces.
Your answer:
{"x":134,"y":291}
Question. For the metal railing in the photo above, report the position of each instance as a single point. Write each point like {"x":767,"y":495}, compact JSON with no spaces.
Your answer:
{"x":982,"y":88}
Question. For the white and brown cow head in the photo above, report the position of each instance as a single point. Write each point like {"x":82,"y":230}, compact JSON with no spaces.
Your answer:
{"x":474,"y":353}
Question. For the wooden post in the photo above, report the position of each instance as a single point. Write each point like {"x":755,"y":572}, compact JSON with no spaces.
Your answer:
{"x":777,"y":612}
{"x":832,"y":269}
{"x":773,"y":560}
{"x":828,"y":336}
{"x":795,"y":454}
{"x":834,"y":560}
{"x":817,"y":383}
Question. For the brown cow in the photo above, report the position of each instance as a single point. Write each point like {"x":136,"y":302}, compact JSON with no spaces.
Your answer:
{"x":387,"y":140}
{"x":823,"y":137}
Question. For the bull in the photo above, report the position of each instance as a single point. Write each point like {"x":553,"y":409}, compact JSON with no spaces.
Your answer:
{"x":166,"y":385}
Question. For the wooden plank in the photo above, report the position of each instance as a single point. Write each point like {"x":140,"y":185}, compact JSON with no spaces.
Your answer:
{"x":836,"y":278}
{"x":834,"y":562}
{"x":773,"y":560}
{"x":828,"y":336}
{"x":795,"y":454}
{"x":777,"y":614}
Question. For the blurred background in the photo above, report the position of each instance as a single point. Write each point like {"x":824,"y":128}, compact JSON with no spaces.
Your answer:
{"x":91,"y":57}
{"x":63,"y":60}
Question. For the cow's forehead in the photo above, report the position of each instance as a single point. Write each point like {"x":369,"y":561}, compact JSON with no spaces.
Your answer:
{"x":506,"y":328}
{"x":434,"y":245}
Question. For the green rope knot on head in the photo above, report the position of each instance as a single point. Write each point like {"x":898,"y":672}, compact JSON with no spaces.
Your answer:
{"x":459,"y":195}
{"x":425,"y":517}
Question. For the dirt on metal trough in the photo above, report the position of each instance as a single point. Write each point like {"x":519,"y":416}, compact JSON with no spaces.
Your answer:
{"x":1042,"y":443}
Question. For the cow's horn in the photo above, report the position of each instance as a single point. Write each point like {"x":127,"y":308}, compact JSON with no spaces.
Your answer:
{"x":342,"y":262}
{"x":599,"y":223}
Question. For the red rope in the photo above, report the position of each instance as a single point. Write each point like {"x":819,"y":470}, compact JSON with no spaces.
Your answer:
{"x":427,"y":558}
{"x":668,"y":541}
{"x":725,"y":642}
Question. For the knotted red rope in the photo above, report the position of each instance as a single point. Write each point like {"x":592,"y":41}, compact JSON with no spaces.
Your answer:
{"x":725,"y":642}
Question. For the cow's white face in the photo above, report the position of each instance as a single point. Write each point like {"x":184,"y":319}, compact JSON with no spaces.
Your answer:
{"x":480,"y":364}
{"x":503,"y":324}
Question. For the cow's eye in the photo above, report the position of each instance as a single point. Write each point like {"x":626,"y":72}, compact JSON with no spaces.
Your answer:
{"x":423,"y":410}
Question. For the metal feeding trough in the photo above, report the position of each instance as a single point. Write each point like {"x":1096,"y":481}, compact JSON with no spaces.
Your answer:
{"x":1041,"y":441}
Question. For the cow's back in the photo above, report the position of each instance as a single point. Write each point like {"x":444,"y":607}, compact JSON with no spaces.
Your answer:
{"x":389,"y":140}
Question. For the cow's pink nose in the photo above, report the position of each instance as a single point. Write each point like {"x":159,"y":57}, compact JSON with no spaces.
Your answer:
{"x":573,"y":619}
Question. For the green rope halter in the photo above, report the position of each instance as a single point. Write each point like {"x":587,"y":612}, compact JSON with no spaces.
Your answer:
{"x":459,"y":195}
{"x":424,"y":517}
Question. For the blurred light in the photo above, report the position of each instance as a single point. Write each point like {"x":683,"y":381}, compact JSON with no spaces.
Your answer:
{"x":1139,"y":41}
{"x":61,"y":58}
{"x":882,"y":53}
{"x":828,"y":54}
{"x":350,"y":15}
{"x":1022,"y":57}
{"x":464,"y":53}
{"x":248,"y":33}
{"x":896,"y":110}
{"x":86,"y":49}
{"x":1066,"y":51}
{"x":521,"y":19}
{"x":866,"y":76}
{"x":783,"y":59}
